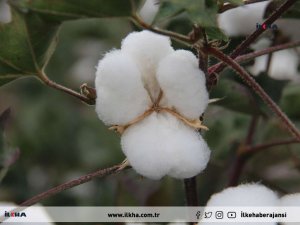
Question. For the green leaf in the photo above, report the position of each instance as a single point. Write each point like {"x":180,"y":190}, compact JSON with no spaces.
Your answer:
{"x":61,"y":10}
{"x":201,"y":12}
{"x":290,"y":101}
{"x":26,"y":45}
{"x":236,"y":97}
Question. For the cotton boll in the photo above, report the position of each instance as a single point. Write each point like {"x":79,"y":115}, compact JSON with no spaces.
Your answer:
{"x":147,"y":49}
{"x":248,"y":195}
{"x":162,"y":145}
{"x":283,"y":66}
{"x":242,"y":20}
{"x":244,"y":195}
{"x":183,"y":83}
{"x":121,"y":96}
{"x":149,"y":10}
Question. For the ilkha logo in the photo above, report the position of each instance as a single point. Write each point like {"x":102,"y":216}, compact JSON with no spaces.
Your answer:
{"x":14,"y":214}
{"x":265,"y":26}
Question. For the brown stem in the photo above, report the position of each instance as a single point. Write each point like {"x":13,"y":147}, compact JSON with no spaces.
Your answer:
{"x":72,"y":183}
{"x":257,"y":88}
{"x":250,"y":39}
{"x":252,"y":150}
{"x":179,"y":37}
{"x":190,"y":185}
{"x":45,"y":79}
{"x":226,"y":6}
{"x":253,"y":55}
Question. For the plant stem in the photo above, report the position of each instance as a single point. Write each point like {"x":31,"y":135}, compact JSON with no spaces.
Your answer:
{"x":190,"y":185}
{"x":253,"y":55}
{"x":250,"y":39}
{"x":257,"y":88}
{"x":179,"y":37}
{"x":73,"y":183}
{"x":45,"y":79}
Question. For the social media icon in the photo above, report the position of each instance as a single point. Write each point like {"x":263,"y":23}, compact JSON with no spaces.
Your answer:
{"x":231,"y":215}
{"x":198,"y":214}
{"x":207,"y":215}
{"x":219,"y":215}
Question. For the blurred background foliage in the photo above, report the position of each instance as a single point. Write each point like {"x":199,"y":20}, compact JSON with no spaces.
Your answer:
{"x":60,"y":138}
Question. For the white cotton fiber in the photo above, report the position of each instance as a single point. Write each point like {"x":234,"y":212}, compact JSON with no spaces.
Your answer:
{"x":162,"y":145}
{"x":149,"y":10}
{"x":245,"y":195}
{"x":121,"y":96}
{"x":283,"y":66}
{"x":5,"y":13}
{"x":242,"y":20}
{"x":147,"y":49}
{"x":290,"y":200}
{"x":183,"y":83}
{"x":248,"y":195}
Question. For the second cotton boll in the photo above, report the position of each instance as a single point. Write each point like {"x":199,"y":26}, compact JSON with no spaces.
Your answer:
{"x":155,"y":93}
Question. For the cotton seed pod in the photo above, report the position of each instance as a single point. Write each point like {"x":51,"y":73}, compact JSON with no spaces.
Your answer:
{"x":183,"y":84}
{"x":248,"y":195}
{"x":121,"y":96}
{"x":162,"y":145}
{"x":147,"y":49}
{"x":284,"y":65}
{"x":242,"y":20}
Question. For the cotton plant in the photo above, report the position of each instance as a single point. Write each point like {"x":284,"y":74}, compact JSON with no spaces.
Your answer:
{"x":244,"y":195}
{"x":242,"y":21}
{"x":154,"y":95}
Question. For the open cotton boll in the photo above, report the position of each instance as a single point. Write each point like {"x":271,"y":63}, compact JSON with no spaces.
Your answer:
{"x":121,"y":96}
{"x":147,"y":49}
{"x":245,"y":195}
{"x":248,"y":195}
{"x":149,"y":10}
{"x":183,"y":83}
{"x":284,"y":65}
{"x":242,"y":20}
{"x":162,"y":145}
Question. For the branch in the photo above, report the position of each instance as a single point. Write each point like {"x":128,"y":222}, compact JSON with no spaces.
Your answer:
{"x":226,"y":6}
{"x":258,"y":53}
{"x":179,"y":37}
{"x":257,"y":88}
{"x":45,"y":79}
{"x":250,"y":39}
{"x":190,"y":185}
{"x":73,"y":183}
{"x":252,"y":150}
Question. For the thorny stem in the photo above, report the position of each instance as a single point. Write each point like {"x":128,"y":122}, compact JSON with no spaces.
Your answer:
{"x":226,"y":6}
{"x":253,"y":55}
{"x":45,"y":79}
{"x":257,"y":88}
{"x":250,"y":39}
{"x":73,"y":183}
